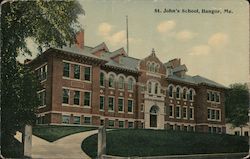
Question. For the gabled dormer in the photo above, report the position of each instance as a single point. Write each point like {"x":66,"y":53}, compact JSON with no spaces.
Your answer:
{"x":152,"y":64}
{"x":117,"y":54}
{"x":174,"y":67}
{"x":100,"y":49}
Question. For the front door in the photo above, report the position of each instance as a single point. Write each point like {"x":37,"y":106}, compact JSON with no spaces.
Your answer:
{"x":153,"y":120}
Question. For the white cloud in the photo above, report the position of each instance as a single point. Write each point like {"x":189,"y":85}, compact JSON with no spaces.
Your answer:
{"x":104,"y":29}
{"x":118,"y":37}
{"x":166,"y":26}
{"x":200,"y":50}
{"x":185,"y":35}
{"x":218,"y":40}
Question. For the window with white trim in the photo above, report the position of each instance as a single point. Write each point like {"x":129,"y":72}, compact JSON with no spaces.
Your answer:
{"x":121,"y":82}
{"x":65,"y":119}
{"x":184,"y":95}
{"x":87,"y":73}
{"x":77,"y":71}
{"x":102,"y":102}
{"x":111,"y":123}
{"x":130,"y":84}
{"x":76,"y":120}
{"x":66,"y":69}
{"x":191,"y":113}
{"x":77,"y":98}
{"x":178,"y":91}
{"x":102,"y":79}
{"x":121,"y":124}
{"x":87,"y":99}
{"x":87,"y":120}
{"x":156,"y":88}
{"x":120,"y":104}
{"x":130,"y":124}
{"x":111,"y":81}
{"x":184,"y":112}
{"x":65,"y":96}
{"x":149,"y":87}
{"x":178,"y":112}
{"x":111,"y":103}
{"x":130,"y":106}
{"x":42,"y":72}
{"x":42,"y":98}
{"x":170,"y":91}
{"x":171,"y":111}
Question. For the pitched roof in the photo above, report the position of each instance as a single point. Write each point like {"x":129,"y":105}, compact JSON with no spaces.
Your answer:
{"x":196,"y":80}
{"x":180,"y":68}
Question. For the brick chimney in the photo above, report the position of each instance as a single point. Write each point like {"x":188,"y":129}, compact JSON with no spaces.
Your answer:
{"x":80,"y":39}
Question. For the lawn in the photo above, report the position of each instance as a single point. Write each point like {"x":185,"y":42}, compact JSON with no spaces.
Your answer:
{"x":139,"y":142}
{"x":53,"y":133}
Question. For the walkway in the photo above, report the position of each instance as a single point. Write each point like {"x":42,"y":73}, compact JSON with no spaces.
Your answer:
{"x":68,"y":147}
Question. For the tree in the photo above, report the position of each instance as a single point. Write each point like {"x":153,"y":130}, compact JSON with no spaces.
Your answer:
{"x":47,"y":23}
{"x":237,"y":104}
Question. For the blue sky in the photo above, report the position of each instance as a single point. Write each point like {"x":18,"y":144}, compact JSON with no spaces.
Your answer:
{"x":212,"y":45}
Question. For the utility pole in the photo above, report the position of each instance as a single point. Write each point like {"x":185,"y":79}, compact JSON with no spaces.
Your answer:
{"x":127,"y":34}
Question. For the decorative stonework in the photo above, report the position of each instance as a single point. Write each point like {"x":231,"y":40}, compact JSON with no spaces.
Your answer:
{"x":101,"y":91}
{"x":185,"y":103}
{"x":111,"y":92}
{"x":130,"y":95}
{"x":121,"y":94}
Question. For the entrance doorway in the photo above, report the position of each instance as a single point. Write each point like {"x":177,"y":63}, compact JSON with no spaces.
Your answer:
{"x":153,"y":116}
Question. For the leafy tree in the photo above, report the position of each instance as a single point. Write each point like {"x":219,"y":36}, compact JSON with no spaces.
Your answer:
{"x":237,"y":104}
{"x":47,"y":23}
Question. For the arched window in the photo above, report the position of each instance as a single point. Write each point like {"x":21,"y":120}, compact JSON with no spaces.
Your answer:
{"x":178,"y":92}
{"x":130,"y":84}
{"x":121,"y":82}
{"x":191,"y":95}
{"x":170,"y":91}
{"x":102,"y":79}
{"x":152,"y":67}
{"x":156,"y":88}
{"x":149,"y":87}
{"x":184,"y":95}
{"x":112,"y":81}
{"x":148,"y":66}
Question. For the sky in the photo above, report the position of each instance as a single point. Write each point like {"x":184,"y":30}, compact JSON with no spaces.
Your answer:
{"x":215,"y":46}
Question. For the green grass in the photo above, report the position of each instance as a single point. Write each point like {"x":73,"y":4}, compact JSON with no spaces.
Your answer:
{"x":53,"y":133}
{"x":139,"y":142}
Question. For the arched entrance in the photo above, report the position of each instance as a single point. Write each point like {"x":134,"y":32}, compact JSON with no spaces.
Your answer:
{"x":153,"y":116}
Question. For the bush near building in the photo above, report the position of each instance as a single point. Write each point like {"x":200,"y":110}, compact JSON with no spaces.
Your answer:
{"x":137,"y":142}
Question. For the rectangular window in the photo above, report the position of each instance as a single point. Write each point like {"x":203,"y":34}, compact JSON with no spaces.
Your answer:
{"x":77,"y":71}
{"x":184,"y":112}
{"x":130,"y":105}
{"x":77,"y":98}
{"x":171,"y":111}
{"x":213,"y":97}
{"x":42,"y":98}
{"x":66,"y":69}
{"x":213,"y":114}
{"x":102,"y":122}
{"x":87,"y":73}
{"x":121,"y":124}
{"x":42,"y":73}
{"x":111,"y":123}
{"x":208,"y":96}
{"x":87,"y":99}
{"x":217,"y":115}
{"x":191,"y":113}
{"x":209,"y":113}
{"x":65,"y":96}
{"x":120,"y":104}
{"x":87,"y":120}
{"x":178,"y":112}
{"x":219,"y":130}
{"x":76,"y":120}
{"x":246,"y":133}
{"x":65,"y":119}
{"x":130,"y":124}
{"x":111,"y":104}
{"x":102,"y":102}
{"x":217,"y":97}
{"x":214,"y":129}
{"x":210,"y":129}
